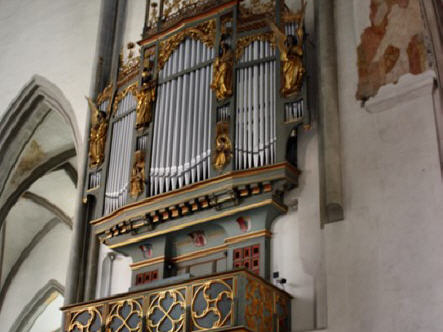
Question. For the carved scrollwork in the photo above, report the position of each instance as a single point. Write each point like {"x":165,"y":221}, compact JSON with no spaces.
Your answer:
{"x":205,"y":32}
{"x":87,"y":320}
{"x":125,"y":316}
{"x":259,"y":307}
{"x":257,"y":7}
{"x":212,"y":305}
{"x":122,"y":94}
{"x":167,"y":308}
{"x":244,"y":42}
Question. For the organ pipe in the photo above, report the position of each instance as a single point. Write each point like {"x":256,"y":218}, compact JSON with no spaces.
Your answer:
{"x":182,"y":129}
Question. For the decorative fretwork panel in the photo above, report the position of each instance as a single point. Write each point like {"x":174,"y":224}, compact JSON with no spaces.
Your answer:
{"x":86,"y":320}
{"x":125,"y":316}
{"x":223,"y":301}
{"x":259,"y":306}
{"x":212,"y":304}
{"x":166,"y":311}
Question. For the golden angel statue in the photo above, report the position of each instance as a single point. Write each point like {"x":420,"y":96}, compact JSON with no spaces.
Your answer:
{"x":97,"y":137}
{"x":145,"y":96}
{"x":223,"y":64}
{"x":223,"y":146}
{"x":291,"y":55}
{"x":138,"y":175}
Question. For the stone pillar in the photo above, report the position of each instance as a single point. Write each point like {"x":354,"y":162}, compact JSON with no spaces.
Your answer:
{"x":330,"y":147}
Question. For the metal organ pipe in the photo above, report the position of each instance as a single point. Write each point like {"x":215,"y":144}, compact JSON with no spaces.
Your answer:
{"x":116,"y":192}
{"x":182,"y":120}
{"x":255,"y":120}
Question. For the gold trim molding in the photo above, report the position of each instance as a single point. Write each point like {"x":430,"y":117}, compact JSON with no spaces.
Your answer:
{"x":199,"y":221}
{"x":204,"y":32}
{"x":199,"y":254}
{"x":244,"y":42}
{"x":147,"y":262}
{"x":248,"y":236}
{"x":203,"y":184}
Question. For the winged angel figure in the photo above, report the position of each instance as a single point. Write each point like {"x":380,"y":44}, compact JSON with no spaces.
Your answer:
{"x":97,"y":137}
{"x":291,"y":54}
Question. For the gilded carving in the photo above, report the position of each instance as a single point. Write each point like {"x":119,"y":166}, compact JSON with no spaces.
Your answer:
{"x":223,"y":146}
{"x":291,"y":55}
{"x":260,"y":306}
{"x":212,"y":302}
{"x":160,"y":311}
{"x":282,"y":307}
{"x":93,"y":318}
{"x":205,"y":32}
{"x":138,"y":175}
{"x":244,"y":42}
{"x":97,"y":136}
{"x":122,"y":94}
{"x":130,"y":67}
{"x":146,"y":95}
{"x":122,"y":315}
{"x":257,"y":7}
{"x":222,"y":79}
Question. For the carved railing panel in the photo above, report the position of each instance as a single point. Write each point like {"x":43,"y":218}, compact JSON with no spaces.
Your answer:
{"x":229,"y":300}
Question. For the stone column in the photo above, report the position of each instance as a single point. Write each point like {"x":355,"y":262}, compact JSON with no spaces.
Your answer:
{"x":330,"y":147}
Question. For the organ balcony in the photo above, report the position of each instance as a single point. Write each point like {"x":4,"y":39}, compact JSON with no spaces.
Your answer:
{"x":233,"y":301}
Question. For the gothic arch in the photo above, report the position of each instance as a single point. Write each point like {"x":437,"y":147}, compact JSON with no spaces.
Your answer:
{"x":37,"y":304}
{"x":39,"y":142}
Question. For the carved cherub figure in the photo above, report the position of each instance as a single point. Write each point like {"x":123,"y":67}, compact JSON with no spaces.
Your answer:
{"x":291,"y":55}
{"x":138,"y":174}
{"x":222,"y":81}
{"x":97,"y":137}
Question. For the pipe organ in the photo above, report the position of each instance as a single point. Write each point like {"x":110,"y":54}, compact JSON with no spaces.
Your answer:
{"x":201,"y":148}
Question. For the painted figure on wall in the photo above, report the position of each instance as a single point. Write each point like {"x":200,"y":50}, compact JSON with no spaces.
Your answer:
{"x":291,"y":55}
{"x":222,"y":81}
{"x":97,"y":137}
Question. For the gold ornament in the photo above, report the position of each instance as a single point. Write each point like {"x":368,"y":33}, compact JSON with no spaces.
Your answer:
{"x":205,"y":32}
{"x":97,"y":136}
{"x":138,"y":174}
{"x":223,"y":146}
{"x":291,"y":55}
{"x":244,"y":42}
{"x":145,"y":96}
{"x":222,"y":81}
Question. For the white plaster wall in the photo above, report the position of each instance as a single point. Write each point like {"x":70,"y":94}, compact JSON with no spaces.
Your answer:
{"x":297,"y":237}
{"x":135,"y":19}
{"x":48,"y":260}
{"x":383,"y":262}
{"x":55,"y":39}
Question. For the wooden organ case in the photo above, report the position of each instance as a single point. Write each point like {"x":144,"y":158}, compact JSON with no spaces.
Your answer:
{"x":191,"y":150}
